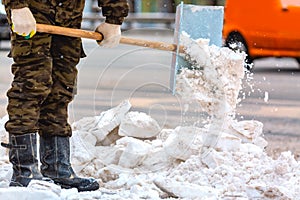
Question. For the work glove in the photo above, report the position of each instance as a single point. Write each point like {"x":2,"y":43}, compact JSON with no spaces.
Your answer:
{"x":111,"y":34}
{"x":23,"y":22}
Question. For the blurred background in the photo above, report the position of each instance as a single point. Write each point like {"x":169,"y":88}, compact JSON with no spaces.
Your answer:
{"x":156,"y":5}
{"x":146,"y":13}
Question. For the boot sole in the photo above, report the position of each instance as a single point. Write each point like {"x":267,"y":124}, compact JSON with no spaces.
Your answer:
{"x":91,"y":187}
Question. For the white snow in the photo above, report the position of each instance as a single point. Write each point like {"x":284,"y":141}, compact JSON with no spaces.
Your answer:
{"x":133,"y":158}
{"x":266,"y":98}
{"x":139,"y":125}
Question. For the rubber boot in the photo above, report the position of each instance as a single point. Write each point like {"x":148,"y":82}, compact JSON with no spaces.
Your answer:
{"x":55,"y":159}
{"x":23,"y":156}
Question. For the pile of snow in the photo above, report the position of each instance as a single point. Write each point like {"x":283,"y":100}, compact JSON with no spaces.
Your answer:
{"x":215,"y":78}
{"x":133,"y":158}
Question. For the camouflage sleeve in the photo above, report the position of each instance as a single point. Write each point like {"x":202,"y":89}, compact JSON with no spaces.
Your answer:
{"x":115,"y":11}
{"x":14,"y":4}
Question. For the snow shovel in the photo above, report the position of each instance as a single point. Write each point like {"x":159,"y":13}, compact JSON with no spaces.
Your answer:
{"x":196,"y":21}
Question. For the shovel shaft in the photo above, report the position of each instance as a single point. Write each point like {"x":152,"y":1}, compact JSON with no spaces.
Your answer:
{"x":97,"y":36}
{"x":44,"y":28}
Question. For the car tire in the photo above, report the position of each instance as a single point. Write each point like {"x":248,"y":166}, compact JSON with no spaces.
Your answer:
{"x":298,"y":60}
{"x":236,"y":42}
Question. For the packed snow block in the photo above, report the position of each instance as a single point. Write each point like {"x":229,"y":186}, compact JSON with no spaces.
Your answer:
{"x":101,"y":126}
{"x":183,"y":142}
{"x":164,"y":134}
{"x":262,"y":191}
{"x":261,"y":142}
{"x":6,"y":168}
{"x":253,"y":191}
{"x":87,"y":137}
{"x":185,"y":190}
{"x":198,"y":22}
{"x":247,"y":130}
{"x":285,"y":163}
{"x":5,"y":174}
{"x":109,"y":155}
{"x":157,"y":159}
{"x":138,"y":125}
{"x":3,"y":138}
{"x":134,"y":151}
{"x":109,"y":173}
{"x":13,"y":193}
{"x":251,"y":148}
{"x":70,"y":194}
{"x":212,"y":159}
{"x":227,"y":142}
{"x":45,"y":185}
{"x":82,"y":151}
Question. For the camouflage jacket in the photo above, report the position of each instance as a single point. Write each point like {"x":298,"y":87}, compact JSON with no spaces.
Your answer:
{"x":114,"y":10}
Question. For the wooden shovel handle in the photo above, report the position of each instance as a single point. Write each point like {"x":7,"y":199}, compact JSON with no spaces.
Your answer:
{"x":97,"y":36}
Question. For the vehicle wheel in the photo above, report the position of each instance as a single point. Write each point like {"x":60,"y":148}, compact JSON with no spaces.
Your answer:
{"x":298,"y":60}
{"x":236,"y":42}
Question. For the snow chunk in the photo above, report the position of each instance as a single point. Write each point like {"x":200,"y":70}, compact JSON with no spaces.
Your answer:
{"x":134,"y":151}
{"x":139,"y":125}
{"x":184,"y":142}
{"x":248,"y":130}
{"x":186,"y":190}
{"x":44,"y":185}
{"x":13,"y":193}
{"x":101,"y":126}
{"x":213,"y":159}
{"x":82,"y":151}
{"x":227,"y":142}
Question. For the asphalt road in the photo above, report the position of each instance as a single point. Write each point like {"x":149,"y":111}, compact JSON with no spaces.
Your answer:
{"x":275,"y":99}
{"x":109,"y":76}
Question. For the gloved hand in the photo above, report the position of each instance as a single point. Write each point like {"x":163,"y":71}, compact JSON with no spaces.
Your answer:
{"x":111,"y":34}
{"x":23,"y":22}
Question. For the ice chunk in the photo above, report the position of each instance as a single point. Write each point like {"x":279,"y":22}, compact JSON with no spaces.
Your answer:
{"x":45,"y":185}
{"x":156,"y":159}
{"x":248,"y":130}
{"x":213,"y":159}
{"x":13,"y":193}
{"x":82,"y":152}
{"x":134,"y":151}
{"x":139,"y":125}
{"x":184,"y":142}
{"x":101,"y":126}
{"x":184,"y":189}
{"x":227,"y":142}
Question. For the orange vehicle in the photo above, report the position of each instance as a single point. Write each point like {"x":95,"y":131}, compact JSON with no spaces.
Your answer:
{"x":263,"y":28}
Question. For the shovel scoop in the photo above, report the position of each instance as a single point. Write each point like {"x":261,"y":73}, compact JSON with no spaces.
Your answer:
{"x":197,"y":22}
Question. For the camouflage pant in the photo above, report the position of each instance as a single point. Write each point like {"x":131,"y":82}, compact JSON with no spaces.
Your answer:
{"x":45,"y":75}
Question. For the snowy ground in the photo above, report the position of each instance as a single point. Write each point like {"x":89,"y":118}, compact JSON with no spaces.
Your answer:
{"x":133,"y":158}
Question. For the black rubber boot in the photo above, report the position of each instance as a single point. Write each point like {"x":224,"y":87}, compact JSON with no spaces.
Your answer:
{"x":55,"y":159}
{"x":23,"y":156}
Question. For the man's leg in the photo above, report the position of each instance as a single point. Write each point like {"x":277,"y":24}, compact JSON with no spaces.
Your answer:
{"x":55,"y":130}
{"x":31,"y":85}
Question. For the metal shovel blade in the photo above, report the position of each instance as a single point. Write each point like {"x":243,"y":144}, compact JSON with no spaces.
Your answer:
{"x":198,"y":22}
